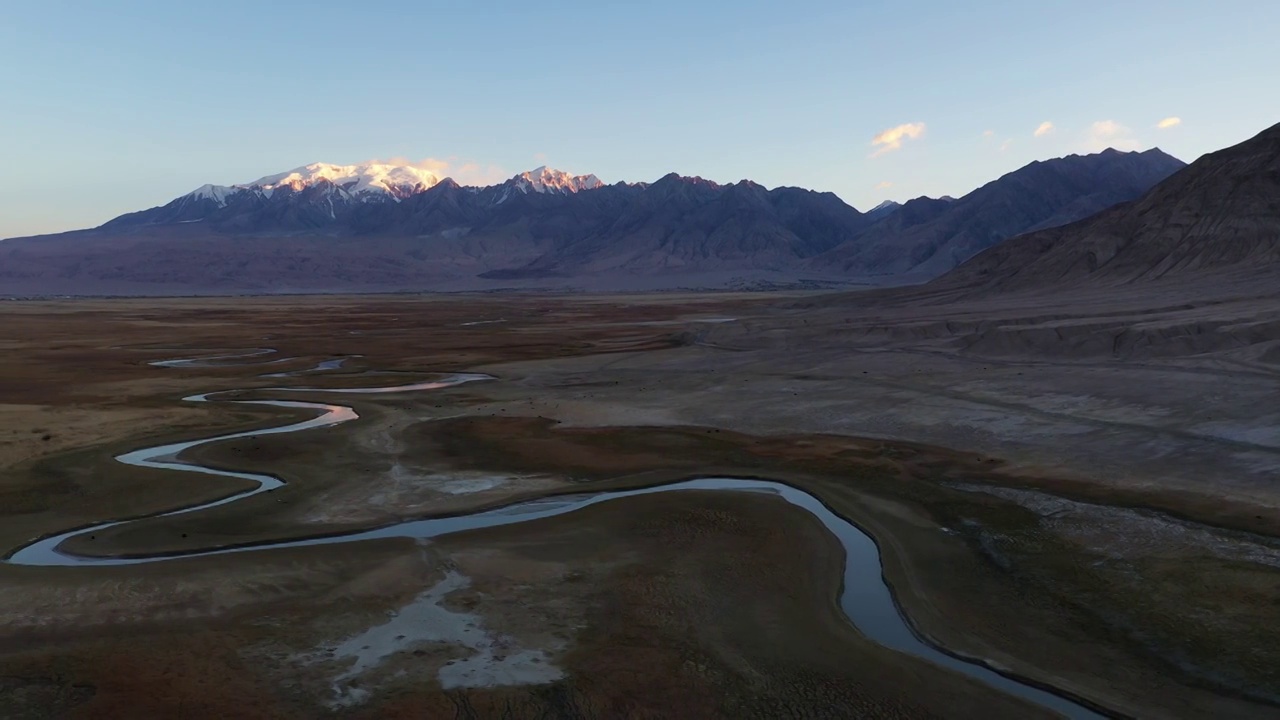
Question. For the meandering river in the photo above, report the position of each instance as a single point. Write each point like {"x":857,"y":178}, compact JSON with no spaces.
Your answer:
{"x":865,"y":597}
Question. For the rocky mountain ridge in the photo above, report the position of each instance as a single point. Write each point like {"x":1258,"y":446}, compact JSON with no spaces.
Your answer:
{"x":1221,"y":213}
{"x":375,"y":227}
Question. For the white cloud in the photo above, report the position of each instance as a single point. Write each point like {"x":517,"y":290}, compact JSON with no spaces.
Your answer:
{"x":988,"y":133}
{"x":1110,"y":134}
{"x":891,"y":139}
{"x":1169,"y":122}
{"x":1045,"y":128}
{"x":1006,"y":145}
{"x":464,"y":172}
{"x":884,"y":185}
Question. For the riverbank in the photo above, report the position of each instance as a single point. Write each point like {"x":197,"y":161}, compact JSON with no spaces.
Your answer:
{"x":1053,"y":586}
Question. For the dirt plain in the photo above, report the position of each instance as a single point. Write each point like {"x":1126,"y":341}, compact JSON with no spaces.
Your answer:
{"x":1095,"y":511}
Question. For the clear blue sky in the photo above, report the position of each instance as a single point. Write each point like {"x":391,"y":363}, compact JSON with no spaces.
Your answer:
{"x":112,"y":107}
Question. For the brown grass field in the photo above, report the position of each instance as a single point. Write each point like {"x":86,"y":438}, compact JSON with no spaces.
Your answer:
{"x":1080,"y":570}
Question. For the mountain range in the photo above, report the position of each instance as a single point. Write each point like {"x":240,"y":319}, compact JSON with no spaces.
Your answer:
{"x":386,"y":227}
{"x":1219,"y":215}
{"x":926,"y":237}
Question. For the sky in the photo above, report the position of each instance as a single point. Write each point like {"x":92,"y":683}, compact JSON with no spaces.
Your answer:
{"x":107,"y":108}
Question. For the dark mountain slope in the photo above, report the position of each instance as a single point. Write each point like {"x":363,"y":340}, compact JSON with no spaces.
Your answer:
{"x":684,"y":224}
{"x":1220,"y":213}
{"x":372,"y":227}
{"x":938,"y":236}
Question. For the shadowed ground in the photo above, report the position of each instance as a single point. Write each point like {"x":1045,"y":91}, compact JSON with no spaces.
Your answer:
{"x":1027,"y":554}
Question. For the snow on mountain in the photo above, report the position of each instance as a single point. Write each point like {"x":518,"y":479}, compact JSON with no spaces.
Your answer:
{"x":399,"y":181}
{"x":548,"y":180}
{"x":216,"y":193}
{"x":364,"y":181}
{"x":372,"y":180}
{"x":886,"y":205}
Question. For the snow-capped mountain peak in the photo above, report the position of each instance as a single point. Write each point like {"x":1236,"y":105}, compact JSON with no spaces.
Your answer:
{"x":216,"y":193}
{"x":886,"y":205}
{"x":371,"y":180}
{"x":374,"y":181}
{"x":549,"y":180}
{"x":399,"y":181}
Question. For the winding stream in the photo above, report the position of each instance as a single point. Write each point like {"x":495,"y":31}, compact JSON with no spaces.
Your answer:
{"x":214,"y":360}
{"x":865,"y":597}
{"x":322,"y":366}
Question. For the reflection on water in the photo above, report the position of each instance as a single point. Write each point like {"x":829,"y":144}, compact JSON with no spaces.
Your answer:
{"x":213,"y":360}
{"x":445,"y":382}
{"x":324,"y":366}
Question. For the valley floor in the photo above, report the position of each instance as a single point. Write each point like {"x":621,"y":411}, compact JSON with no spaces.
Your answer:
{"x":1082,"y":493}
